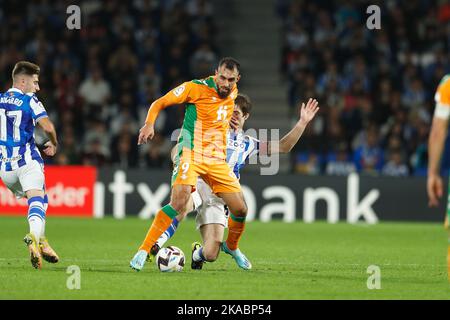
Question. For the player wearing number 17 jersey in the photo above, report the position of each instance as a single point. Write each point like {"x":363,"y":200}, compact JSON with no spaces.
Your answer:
{"x":21,"y":164}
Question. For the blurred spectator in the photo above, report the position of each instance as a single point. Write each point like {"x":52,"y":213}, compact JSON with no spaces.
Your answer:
{"x":123,"y":114}
{"x":94,"y":154}
{"x":95,"y":90}
{"x":296,"y":38}
{"x":307,"y":164}
{"x":203,"y":62}
{"x":124,"y":148}
{"x":395,"y":167}
{"x":158,"y":152}
{"x":339,"y":163}
{"x":124,"y":153}
{"x":368,"y":157}
{"x":97,"y":137}
{"x":69,"y":147}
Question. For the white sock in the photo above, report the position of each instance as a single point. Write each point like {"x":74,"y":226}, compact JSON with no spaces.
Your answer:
{"x":162,"y":239}
{"x":35,"y":226}
{"x":168,"y":233}
{"x":36,"y":216}
{"x":43,"y":229}
{"x":198,"y":255}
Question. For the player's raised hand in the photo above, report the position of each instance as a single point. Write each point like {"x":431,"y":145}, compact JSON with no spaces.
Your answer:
{"x":234,"y":124}
{"x":308,"y":111}
{"x":145,"y":133}
{"x":49,"y":149}
{"x":435,"y":189}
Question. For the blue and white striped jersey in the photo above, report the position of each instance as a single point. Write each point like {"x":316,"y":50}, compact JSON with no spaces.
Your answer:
{"x":240,"y":147}
{"x":19,"y":113}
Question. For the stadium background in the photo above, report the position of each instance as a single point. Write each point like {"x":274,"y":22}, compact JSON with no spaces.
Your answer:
{"x":362,"y":159}
{"x":375,"y":87}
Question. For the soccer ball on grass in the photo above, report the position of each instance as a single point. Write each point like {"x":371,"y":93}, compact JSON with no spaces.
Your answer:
{"x":170,"y":259}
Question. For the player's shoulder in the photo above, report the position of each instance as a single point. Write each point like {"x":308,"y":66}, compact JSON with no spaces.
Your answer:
{"x":445,"y":82}
{"x":26,"y":98}
{"x":33,"y":100}
{"x":189,"y":87}
{"x":194,"y":87}
{"x":32,"y":97}
{"x":206,"y":82}
{"x":443,"y":91}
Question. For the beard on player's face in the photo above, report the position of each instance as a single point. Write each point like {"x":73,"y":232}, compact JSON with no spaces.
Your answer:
{"x":225,"y":80}
{"x":223,"y":92}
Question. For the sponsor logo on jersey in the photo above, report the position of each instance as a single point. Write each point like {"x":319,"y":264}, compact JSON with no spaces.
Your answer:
{"x":179,"y":90}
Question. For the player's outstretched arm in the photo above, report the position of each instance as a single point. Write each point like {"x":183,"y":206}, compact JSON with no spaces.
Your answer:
{"x":285,"y":145}
{"x":180,"y":94}
{"x":49,"y":129}
{"x":435,"y":187}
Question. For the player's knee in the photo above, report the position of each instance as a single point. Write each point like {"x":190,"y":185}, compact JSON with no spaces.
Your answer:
{"x":211,"y":251}
{"x":240,"y":211}
{"x":180,"y":200}
{"x":178,"y":206}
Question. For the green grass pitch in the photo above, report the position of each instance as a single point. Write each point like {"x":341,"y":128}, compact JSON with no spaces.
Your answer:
{"x":290,"y":261}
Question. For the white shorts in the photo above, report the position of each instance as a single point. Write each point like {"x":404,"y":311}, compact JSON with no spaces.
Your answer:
{"x":211,"y":208}
{"x":28,"y":177}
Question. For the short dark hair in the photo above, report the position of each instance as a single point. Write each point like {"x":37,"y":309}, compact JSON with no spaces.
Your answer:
{"x":25,"y":67}
{"x":230,"y":63}
{"x":244,"y":103}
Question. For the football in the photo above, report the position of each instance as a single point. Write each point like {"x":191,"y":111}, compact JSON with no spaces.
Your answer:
{"x":170,"y":259}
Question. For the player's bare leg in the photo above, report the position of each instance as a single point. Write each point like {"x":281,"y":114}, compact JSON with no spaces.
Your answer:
{"x":212,"y":235}
{"x":236,"y":225}
{"x":177,"y":207}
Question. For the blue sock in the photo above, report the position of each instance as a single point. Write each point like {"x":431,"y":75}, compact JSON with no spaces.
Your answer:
{"x":173,"y":227}
{"x":168,"y":233}
{"x":198,"y":255}
{"x":45,"y":209}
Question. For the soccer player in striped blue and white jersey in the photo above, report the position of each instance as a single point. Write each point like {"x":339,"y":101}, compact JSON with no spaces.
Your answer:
{"x":21,"y":164}
{"x":212,"y":215}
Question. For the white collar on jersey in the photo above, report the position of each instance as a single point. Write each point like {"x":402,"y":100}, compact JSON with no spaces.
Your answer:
{"x":15,"y":90}
{"x":237,"y":133}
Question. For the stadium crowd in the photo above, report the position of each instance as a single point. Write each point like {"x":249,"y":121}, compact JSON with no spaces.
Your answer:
{"x":375,"y":87}
{"x":97,"y":82}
